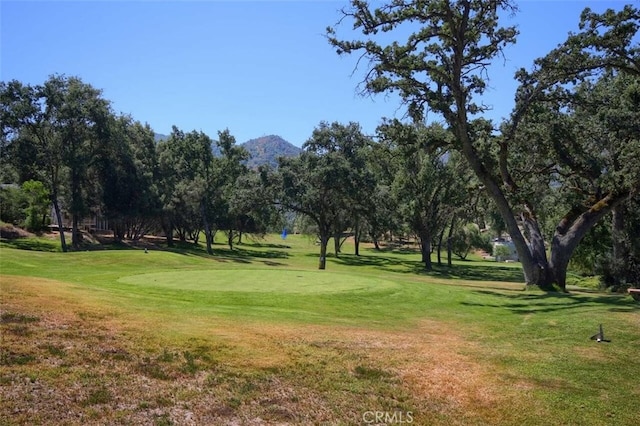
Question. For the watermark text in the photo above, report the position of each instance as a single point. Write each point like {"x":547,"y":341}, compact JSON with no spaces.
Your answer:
{"x":387,"y":417}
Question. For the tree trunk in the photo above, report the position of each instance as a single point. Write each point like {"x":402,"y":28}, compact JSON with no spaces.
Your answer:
{"x":75,"y":232}
{"x":56,"y":208}
{"x":207,"y":228}
{"x":450,"y":240}
{"x":324,"y":240}
{"x":168,"y":232}
{"x":439,"y":250}
{"x":356,"y":239}
{"x":572,"y":229}
{"x":494,"y":190}
{"x":543,"y":275}
{"x":118,"y":230}
{"x":376,"y":244}
{"x":230,"y":239}
{"x":425,"y":246}
{"x":336,"y":243}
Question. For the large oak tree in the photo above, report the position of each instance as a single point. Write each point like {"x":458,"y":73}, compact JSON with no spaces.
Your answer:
{"x":441,"y":67}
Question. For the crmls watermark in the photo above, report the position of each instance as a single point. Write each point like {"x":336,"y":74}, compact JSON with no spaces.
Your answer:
{"x":387,"y":417}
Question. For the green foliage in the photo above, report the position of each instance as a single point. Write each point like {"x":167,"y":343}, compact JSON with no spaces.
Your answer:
{"x":38,"y":205}
{"x":501,"y":252}
{"x":619,"y":267}
{"x":54,"y":131}
{"x":12,"y":203}
{"x":328,"y":182}
{"x":469,"y":237}
{"x":126,"y":174}
{"x":592,"y":249}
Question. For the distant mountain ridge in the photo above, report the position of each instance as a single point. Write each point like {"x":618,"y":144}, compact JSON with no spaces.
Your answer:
{"x":267,"y":150}
{"x":262,"y":150}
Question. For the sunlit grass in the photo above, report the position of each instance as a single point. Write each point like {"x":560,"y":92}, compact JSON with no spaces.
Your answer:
{"x":259,"y":332}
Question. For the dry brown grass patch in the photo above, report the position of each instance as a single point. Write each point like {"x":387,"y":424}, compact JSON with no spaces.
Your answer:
{"x":81,"y":362}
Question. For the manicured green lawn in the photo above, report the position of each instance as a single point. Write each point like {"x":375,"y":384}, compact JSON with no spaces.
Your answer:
{"x":461,"y":345}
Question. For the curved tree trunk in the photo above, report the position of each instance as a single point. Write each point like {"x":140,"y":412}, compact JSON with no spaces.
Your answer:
{"x":544,"y":276}
{"x":533,"y":274}
{"x":572,"y":229}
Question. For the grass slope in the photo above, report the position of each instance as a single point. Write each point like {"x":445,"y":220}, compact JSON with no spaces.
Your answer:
{"x":259,"y":336}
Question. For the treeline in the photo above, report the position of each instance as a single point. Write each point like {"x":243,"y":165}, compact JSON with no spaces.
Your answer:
{"x":67,"y":149}
{"x":63,"y":139}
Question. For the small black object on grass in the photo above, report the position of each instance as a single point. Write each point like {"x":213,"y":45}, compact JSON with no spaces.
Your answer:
{"x":599,"y":336}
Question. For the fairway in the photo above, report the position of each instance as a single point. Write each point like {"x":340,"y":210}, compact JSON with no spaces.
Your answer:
{"x":261,"y":281}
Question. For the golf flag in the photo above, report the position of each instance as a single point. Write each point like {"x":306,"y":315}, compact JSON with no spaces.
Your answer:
{"x":284,"y":234}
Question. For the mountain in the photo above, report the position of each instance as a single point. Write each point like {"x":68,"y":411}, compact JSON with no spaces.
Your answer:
{"x":263,"y":150}
{"x":267,"y":149}
{"x":159,"y":137}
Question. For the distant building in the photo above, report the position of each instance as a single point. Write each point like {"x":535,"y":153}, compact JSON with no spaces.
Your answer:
{"x":509,"y":253}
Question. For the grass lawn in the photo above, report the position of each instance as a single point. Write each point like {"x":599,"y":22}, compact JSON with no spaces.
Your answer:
{"x":258,"y":335}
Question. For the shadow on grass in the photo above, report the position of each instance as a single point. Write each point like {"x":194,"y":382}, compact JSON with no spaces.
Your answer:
{"x":239,"y":254}
{"x":468,"y":271}
{"x":520,"y":302}
{"x":479,"y":273}
{"x":377,"y":261}
{"x":245,"y":253}
{"x":31,"y":244}
{"x":268,"y":245}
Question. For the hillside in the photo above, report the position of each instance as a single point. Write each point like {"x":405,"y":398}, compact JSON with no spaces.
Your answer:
{"x":160,"y":137}
{"x":262,"y":150}
{"x":267,"y":149}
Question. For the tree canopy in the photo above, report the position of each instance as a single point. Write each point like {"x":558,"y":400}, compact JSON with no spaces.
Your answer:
{"x":441,"y":67}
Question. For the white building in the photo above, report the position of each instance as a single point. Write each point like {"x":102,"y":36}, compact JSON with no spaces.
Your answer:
{"x":508,"y":254}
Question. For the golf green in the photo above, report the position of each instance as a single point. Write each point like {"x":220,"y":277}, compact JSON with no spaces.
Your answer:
{"x":257,"y":281}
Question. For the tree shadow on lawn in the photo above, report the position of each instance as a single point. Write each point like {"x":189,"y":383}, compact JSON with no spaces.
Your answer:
{"x":240,"y":254}
{"x":476,"y":272}
{"x":528,"y":303}
{"x":268,"y":245}
{"x":30,"y":244}
{"x":378,"y":261}
{"x":468,"y":271}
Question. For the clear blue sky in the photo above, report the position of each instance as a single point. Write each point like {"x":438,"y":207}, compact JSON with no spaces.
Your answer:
{"x":256,"y":68}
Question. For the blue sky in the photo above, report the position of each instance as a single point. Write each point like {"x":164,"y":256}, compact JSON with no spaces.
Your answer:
{"x":256,"y":68}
